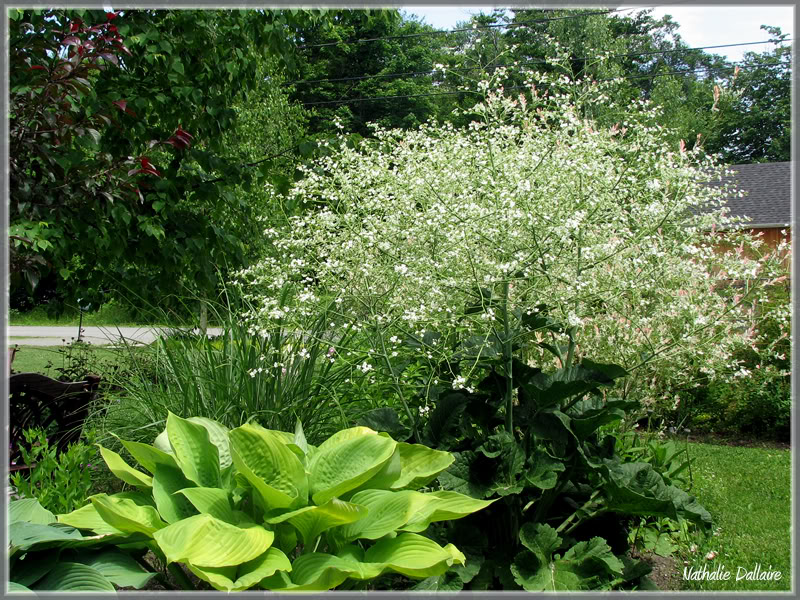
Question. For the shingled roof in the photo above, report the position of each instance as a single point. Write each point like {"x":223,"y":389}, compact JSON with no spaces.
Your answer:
{"x":769,"y":192}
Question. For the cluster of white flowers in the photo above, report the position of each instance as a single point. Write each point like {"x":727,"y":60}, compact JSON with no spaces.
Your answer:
{"x":595,"y":223}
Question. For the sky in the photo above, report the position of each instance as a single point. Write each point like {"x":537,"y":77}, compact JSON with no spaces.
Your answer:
{"x":699,"y":25}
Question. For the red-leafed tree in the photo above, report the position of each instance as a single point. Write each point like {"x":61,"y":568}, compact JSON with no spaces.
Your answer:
{"x":117,"y":123}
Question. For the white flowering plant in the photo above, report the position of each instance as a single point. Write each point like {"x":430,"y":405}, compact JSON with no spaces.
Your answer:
{"x":465,"y":232}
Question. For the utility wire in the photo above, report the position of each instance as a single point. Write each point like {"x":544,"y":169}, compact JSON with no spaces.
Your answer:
{"x":478,"y":27}
{"x":517,"y":87}
{"x":527,"y":62}
{"x":446,"y":31}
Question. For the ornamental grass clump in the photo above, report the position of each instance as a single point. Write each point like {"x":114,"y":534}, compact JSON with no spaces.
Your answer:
{"x":421,"y":238}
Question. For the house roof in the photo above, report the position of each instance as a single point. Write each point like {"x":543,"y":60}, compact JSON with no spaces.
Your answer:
{"x":769,"y":191}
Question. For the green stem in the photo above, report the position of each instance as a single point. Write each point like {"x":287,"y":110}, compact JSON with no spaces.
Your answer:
{"x":183,"y":581}
{"x":569,"y":519}
{"x":591,"y":515}
{"x":507,"y":351}
{"x":571,"y":350}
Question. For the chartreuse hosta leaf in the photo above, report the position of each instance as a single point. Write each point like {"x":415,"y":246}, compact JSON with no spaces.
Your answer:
{"x":346,"y":460}
{"x":148,"y":456}
{"x":87,"y":517}
{"x":211,"y":501}
{"x":119,"y":568}
{"x":246,"y":575}
{"x":408,"y":553}
{"x":205,"y":541}
{"x":420,"y":465}
{"x":197,"y":457}
{"x":310,"y":521}
{"x":406,"y":510}
{"x":275,"y":472}
{"x":167,"y":480}
{"x":127,"y":515}
{"x":123,"y":470}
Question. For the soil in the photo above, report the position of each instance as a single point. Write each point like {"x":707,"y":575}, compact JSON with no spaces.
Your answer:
{"x":733,"y":440}
{"x":666,"y":573}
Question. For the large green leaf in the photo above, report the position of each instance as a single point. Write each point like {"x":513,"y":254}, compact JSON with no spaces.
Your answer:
{"x":25,"y":535}
{"x":420,"y":465}
{"x":413,"y":555}
{"x":211,"y":501}
{"x":196,"y":455}
{"x":74,"y":577}
{"x":18,"y":588}
{"x":123,"y":470}
{"x":127,"y":515}
{"x":387,"y":512}
{"x":444,"y":505}
{"x":166,"y":481}
{"x":29,"y":510}
{"x":638,"y":489}
{"x":586,"y":565}
{"x":346,"y":460}
{"x":87,"y":517}
{"x":318,"y":572}
{"x":206,"y":541}
{"x":149,"y":456}
{"x":119,"y":568}
{"x":310,"y":521}
{"x":218,"y":435}
{"x":458,"y":477}
{"x":270,"y":466}
{"x":543,"y":471}
{"x":246,"y":575}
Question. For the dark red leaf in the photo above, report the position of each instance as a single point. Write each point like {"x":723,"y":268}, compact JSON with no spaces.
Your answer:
{"x":123,"y":106}
{"x":110,"y":58}
{"x":111,"y":16}
{"x":38,"y":67}
{"x":74,"y":26}
{"x":71,"y":40}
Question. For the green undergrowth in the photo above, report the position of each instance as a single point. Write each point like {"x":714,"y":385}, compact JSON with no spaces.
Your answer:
{"x":748,"y":492}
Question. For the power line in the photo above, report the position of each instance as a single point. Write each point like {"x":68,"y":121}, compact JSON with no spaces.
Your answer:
{"x":533,"y":61}
{"x":474,"y":28}
{"x":519,"y":87}
{"x":479,"y":27}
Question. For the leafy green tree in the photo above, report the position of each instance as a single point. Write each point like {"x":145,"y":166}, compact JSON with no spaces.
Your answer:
{"x":353,"y":70}
{"x":758,"y":127}
{"x":120,"y":172}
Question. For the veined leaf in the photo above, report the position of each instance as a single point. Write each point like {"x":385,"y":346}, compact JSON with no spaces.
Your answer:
{"x":246,"y":575}
{"x":444,"y":506}
{"x":310,"y":521}
{"x":126,"y":515}
{"x":196,"y":455}
{"x":119,"y":568}
{"x":346,"y":460}
{"x":274,"y":471}
{"x":420,"y":465}
{"x":148,"y":456}
{"x":205,"y":541}
{"x":413,"y":555}
{"x":166,"y":481}
{"x":29,"y":510}
{"x":124,"y":471}
{"x":74,"y":577}
{"x":211,"y":501}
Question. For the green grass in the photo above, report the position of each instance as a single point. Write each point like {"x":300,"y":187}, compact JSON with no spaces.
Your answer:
{"x":748,"y":493}
{"x":109,"y":314}
{"x":35,"y":359}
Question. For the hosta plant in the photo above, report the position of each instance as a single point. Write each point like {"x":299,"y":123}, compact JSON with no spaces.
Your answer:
{"x":256,"y":508}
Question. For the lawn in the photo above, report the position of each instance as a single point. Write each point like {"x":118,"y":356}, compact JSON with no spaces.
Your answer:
{"x":747,"y":490}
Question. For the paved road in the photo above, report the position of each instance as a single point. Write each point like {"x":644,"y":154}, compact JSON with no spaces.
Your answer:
{"x":56,"y":336}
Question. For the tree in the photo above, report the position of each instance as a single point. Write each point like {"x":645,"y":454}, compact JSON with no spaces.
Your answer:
{"x":119,"y":172}
{"x":335,"y":67}
{"x":758,"y":126}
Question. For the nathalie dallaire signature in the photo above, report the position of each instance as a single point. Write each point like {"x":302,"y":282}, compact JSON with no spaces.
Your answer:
{"x":720,"y":573}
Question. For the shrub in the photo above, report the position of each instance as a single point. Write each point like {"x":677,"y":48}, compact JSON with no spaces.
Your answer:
{"x":251,"y":507}
{"x":60,"y":482}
